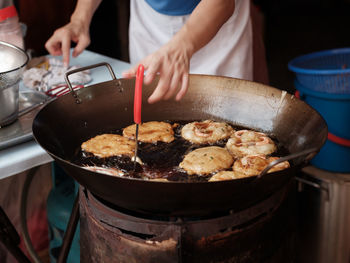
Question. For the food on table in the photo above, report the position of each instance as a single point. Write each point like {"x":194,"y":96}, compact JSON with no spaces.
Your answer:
{"x":206,"y":132}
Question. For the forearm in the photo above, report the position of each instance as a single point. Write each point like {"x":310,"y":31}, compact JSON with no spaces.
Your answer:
{"x":84,"y":11}
{"x":204,"y":22}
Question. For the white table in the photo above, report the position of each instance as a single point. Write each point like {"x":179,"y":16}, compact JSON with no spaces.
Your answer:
{"x":22,"y":157}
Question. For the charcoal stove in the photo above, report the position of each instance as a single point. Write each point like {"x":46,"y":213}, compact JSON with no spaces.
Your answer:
{"x":261,"y":233}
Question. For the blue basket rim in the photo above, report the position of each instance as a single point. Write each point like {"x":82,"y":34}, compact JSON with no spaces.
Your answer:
{"x":318,"y":94}
{"x":297,"y":69}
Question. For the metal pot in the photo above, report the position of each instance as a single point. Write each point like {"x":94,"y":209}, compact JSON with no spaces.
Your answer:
{"x":63,"y":124}
{"x":324,"y":216}
{"x":13,"y":61}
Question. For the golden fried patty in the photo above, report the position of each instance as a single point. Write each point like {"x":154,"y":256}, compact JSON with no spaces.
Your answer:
{"x":206,"y":160}
{"x":222,"y":176}
{"x":107,"y":145}
{"x":152,"y":132}
{"x":207,"y":131}
{"x":246,"y":142}
{"x":252,"y":165}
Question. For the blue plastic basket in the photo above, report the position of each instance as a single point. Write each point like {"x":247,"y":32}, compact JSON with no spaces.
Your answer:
{"x":325,"y":71}
{"x":334,"y":156}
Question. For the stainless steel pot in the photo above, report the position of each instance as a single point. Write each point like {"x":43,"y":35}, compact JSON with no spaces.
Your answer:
{"x":12,"y":63}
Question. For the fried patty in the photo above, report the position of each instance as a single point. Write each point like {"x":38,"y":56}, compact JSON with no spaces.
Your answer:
{"x":253,"y":165}
{"x":206,"y":132}
{"x":246,"y":142}
{"x":206,"y":160}
{"x":222,"y":176}
{"x":151,"y":132}
{"x":107,"y":145}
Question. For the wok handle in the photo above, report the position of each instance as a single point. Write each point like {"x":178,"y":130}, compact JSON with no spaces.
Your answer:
{"x":82,"y":69}
{"x":311,"y":152}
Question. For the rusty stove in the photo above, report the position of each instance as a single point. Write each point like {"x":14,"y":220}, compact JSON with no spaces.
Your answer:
{"x":262,"y":233}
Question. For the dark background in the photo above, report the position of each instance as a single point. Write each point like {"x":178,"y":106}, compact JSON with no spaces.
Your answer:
{"x":290,"y":28}
{"x":298,"y":27}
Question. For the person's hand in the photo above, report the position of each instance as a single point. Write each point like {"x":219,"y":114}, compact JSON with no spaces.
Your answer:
{"x":171,"y":62}
{"x":60,"y":42}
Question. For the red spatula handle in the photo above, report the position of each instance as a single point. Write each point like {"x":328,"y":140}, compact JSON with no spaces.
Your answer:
{"x":138,"y":94}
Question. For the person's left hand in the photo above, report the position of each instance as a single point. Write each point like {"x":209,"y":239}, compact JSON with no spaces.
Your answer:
{"x":172,"y":63}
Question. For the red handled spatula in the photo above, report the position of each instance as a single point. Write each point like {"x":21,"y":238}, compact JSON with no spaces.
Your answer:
{"x":137,"y":105}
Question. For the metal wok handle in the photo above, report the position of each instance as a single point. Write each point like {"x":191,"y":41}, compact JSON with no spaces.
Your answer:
{"x":82,"y":69}
{"x":288,"y":158}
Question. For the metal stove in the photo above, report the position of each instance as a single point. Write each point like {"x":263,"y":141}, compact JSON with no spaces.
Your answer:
{"x":262,"y":233}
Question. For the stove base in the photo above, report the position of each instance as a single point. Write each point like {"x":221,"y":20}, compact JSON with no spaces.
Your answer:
{"x":263,"y":233}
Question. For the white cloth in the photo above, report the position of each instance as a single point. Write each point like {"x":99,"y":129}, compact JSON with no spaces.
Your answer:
{"x":42,"y":80}
{"x":229,"y":53}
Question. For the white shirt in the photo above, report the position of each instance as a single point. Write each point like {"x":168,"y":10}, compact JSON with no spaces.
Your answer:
{"x":229,"y":53}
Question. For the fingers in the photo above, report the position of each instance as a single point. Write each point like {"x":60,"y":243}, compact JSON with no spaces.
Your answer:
{"x":172,"y":66}
{"x":82,"y":43}
{"x":169,"y":82}
{"x":130,"y":73}
{"x":162,"y":86}
{"x":65,"y":46}
{"x":174,"y":84}
{"x":152,"y":71}
{"x":165,"y":90}
{"x":184,"y":87}
{"x":160,"y":90}
{"x":60,"y":42}
{"x":59,"y":48}
{"x":53,"y":47}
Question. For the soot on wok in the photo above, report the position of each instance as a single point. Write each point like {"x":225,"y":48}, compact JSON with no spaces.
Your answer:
{"x":160,"y":160}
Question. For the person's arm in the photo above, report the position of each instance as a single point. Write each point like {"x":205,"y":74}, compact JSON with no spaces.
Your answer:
{"x":77,"y":30}
{"x":172,"y":60}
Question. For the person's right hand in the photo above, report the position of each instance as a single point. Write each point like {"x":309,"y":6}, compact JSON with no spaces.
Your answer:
{"x":60,"y":42}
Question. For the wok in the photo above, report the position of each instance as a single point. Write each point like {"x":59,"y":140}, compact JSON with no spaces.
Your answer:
{"x":62,"y":125}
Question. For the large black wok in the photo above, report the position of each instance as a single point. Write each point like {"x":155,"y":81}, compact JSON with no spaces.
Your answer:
{"x":62,"y":125}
